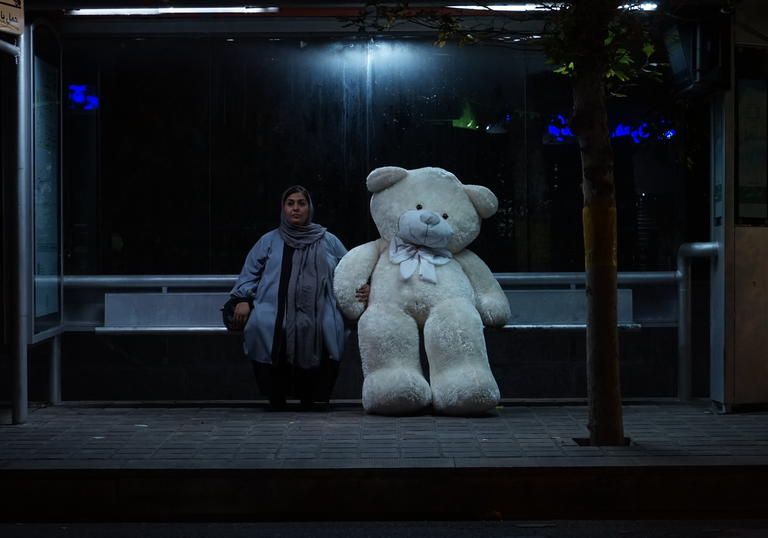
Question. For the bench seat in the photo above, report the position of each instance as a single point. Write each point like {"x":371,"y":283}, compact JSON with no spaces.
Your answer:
{"x":200,"y":312}
{"x":560,"y":309}
{"x":166,"y":313}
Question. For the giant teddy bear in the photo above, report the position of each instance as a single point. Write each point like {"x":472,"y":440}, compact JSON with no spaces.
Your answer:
{"x":423,"y":279}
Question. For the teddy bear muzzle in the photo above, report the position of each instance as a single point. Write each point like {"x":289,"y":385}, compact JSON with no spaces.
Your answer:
{"x":424,"y":228}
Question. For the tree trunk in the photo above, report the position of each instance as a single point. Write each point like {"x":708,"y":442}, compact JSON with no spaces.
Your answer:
{"x":590,"y":124}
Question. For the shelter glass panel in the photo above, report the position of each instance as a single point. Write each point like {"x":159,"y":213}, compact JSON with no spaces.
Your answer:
{"x":178,"y":162}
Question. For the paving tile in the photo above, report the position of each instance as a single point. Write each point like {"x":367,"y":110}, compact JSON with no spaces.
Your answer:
{"x":381,"y":450}
{"x":134,"y":453}
{"x":214,"y":455}
{"x":297,"y":455}
{"x":174,"y":445}
{"x":378,"y":455}
{"x":52,"y":455}
{"x":331,"y":454}
{"x":426,"y":461}
{"x":500,"y":461}
{"x":94,"y":454}
{"x":93,"y":437}
{"x":584,"y":452}
{"x":472,"y":444}
{"x":505,"y":454}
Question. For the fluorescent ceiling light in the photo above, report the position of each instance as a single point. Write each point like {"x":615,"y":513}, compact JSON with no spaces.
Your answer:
{"x":645,"y":6}
{"x":172,"y":10}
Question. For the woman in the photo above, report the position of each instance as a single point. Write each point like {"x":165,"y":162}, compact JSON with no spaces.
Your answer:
{"x":295,"y":333}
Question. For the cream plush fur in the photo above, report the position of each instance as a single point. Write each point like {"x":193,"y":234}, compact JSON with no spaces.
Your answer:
{"x":431,"y":207}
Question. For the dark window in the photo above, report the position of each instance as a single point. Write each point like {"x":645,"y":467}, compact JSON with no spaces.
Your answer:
{"x":180,"y":167}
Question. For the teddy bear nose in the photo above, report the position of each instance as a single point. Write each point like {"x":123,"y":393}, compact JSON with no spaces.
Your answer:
{"x":430,"y":219}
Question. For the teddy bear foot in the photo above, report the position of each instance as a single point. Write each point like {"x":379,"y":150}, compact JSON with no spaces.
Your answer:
{"x":395,"y":392}
{"x":463,"y":398}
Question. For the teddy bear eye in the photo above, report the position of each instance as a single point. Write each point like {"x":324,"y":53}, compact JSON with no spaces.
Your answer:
{"x":419,"y":206}
{"x":445,"y":215}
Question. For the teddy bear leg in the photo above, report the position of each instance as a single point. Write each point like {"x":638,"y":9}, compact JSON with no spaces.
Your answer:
{"x":394,"y":383}
{"x":461,"y":378}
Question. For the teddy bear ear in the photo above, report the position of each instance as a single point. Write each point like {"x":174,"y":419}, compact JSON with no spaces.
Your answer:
{"x":384,"y":177}
{"x":483,"y":199}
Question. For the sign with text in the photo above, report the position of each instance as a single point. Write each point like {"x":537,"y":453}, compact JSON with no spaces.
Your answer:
{"x":12,"y":16}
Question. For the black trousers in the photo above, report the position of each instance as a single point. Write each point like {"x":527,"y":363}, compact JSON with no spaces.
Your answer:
{"x":283,"y":380}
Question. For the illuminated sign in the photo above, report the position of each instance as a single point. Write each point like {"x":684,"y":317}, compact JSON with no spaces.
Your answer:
{"x":12,"y":16}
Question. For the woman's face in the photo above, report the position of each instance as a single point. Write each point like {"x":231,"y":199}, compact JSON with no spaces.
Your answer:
{"x":296,"y":209}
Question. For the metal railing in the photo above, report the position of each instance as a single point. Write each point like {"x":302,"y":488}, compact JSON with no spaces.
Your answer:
{"x":10,"y":49}
{"x":683,"y":276}
{"x":663,"y":315}
{"x":223,"y":282}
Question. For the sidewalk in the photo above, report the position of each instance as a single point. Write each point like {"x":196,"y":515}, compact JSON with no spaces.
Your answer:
{"x":682,"y":458}
{"x":104,"y":435}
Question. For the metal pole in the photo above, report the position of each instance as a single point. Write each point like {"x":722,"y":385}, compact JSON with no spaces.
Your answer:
{"x":54,"y":372}
{"x":555,"y":279}
{"x":148,"y":281}
{"x":20,"y":237}
{"x":8,"y":48}
{"x":686,"y":251}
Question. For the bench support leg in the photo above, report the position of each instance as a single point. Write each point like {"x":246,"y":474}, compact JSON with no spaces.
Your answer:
{"x":54,"y":371}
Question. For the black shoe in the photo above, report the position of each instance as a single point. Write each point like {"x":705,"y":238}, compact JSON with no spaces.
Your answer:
{"x":307,"y":405}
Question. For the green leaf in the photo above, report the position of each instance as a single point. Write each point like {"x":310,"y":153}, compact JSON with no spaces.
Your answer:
{"x":648,"y":49}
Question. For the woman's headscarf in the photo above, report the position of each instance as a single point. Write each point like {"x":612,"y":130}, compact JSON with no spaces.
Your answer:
{"x":309,"y":286}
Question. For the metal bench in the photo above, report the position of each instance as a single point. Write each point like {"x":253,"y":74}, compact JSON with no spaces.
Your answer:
{"x":552,"y":302}
{"x":659,"y":299}
{"x":167,"y":313}
{"x":560,"y":309}
{"x":199,"y":312}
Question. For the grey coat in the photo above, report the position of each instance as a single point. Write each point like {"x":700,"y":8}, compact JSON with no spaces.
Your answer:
{"x":259,"y":280}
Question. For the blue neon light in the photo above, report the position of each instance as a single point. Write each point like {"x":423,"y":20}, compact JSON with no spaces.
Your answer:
{"x":76,"y":93}
{"x":556,"y":132}
{"x":81,"y":97}
{"x":559,"y":129}
{"x":621,"y":130}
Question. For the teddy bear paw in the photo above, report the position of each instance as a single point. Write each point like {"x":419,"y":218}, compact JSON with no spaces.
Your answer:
{"x":353,"y":310}
{"x":395,"y":392}
{"x":464,"y":392}
{"x":494,"y":310}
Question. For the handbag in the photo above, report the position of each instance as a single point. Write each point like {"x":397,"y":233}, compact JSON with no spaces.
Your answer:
{"x":228,"y":312}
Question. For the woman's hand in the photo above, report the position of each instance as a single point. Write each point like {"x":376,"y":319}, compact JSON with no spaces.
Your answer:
{"x":362,"y":293}
{"x":242,"y":311}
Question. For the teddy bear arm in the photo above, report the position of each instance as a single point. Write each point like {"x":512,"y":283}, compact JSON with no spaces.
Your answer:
{"x":353,"y":271}
{"x":491,"y":302}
